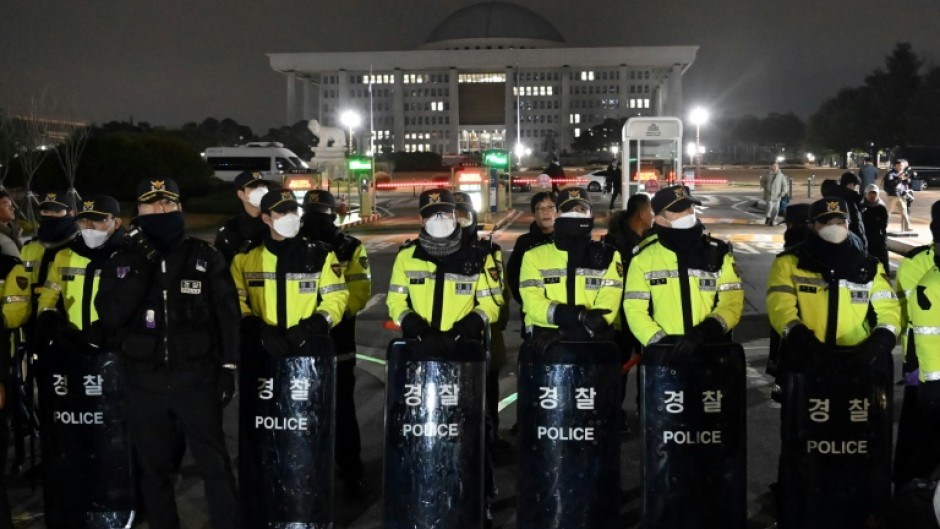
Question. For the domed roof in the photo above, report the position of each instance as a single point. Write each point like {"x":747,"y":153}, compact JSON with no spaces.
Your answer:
{"x":499,"y":22}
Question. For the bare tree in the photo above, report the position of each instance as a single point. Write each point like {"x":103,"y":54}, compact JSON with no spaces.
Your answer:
{"x":7,"y":145}
{"x":69,"y":152}
{"x":31,"y":134}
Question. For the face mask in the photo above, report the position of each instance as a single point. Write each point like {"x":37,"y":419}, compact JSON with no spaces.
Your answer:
{"x":56,"y":229}
{"x":162,"y":228}
{"x":834,"y":233}
{"x":684,"y":223}
{"x":254,"y":197}
{"x":440,"y":228}
{"x":95,"y":238}
{"x":574,"y":215}
{"x":465,"y":223}
{"x":287,"y":226}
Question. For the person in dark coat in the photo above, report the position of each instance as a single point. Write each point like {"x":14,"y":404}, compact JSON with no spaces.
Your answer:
{"x":875,"y":219}
{"x":540,"y":232}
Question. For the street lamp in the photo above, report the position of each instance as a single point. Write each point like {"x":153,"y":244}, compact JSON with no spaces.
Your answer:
{"x":698,"y":117}
{"x":350,"y":119}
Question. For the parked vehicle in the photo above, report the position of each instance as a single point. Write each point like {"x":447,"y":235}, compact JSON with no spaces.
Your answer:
{"x":270,"y":158}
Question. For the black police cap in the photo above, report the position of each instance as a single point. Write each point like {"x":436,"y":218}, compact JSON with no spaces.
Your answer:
{"x":253,"y":178}
{"x":463,"y":201}
{"x":435,"y":201}
{"x":673,"y":198}
{"x":319,"y":201}
{"x":828,"y":208}
{"x":797,"y":214}
{"x":279,"y":200}
{"x":849,"y":178}
{"x":153,"y":189}
{"x":569,"y":197}
{"x":99,"y":207}
{"x":55,"y":201}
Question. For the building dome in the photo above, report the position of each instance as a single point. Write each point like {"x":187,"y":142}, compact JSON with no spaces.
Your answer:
{"x":494,"y":25}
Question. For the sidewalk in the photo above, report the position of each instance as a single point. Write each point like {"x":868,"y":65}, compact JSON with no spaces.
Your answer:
{"x":412,"y":223}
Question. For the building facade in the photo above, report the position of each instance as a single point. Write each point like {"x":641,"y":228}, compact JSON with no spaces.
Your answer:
{"x":491,"y":75}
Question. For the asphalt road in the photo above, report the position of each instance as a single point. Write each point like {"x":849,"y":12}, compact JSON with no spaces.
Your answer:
{"x":728,"y":213}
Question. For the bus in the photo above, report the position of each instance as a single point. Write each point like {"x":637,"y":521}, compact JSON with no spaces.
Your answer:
{"x":270,"y":158}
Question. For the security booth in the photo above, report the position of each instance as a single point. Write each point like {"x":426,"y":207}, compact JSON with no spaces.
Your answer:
{"x":287,"y":431}
{"x":360,"y":169}
{"x":434,"y":433}
{"x":470,"y":180}
{"x":652,"y":151}
{"x":569,"y":436}
{"x":496,"y":162}
{"x":299,"y":181}
{"x":836,"y":425}
{"x":694,"y":437}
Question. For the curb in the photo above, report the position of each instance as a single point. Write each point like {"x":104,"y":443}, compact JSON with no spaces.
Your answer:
{"x":371,"y":218}
{"x":510,"y":216}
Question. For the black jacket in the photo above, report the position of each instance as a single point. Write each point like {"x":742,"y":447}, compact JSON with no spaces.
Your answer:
{"x":240,"y":234}
{"x":875,"y":219}
{"x":525,"y":241}
{"x":173,"y":344}
{"x":856,"y":225}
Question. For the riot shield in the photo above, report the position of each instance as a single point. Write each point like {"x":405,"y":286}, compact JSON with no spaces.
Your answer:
{"x":287,"y":429}
{"x":694,"y":438}
{"x":835,"y":465}
{"x":434,"y":437}
{"x":569,"y":444}
{"x":87,"y":469}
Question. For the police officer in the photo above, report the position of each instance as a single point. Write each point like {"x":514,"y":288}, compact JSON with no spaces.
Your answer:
{"x":681,"y":282}
{"x":911,"y":270}
{"x":318,"y":225}
{"x":799,"y":303}
{"x":171,"y":302}
{"x":16,"y":310}
{"x":572,"y":287}
{"x":73,"y":277}
{"x":57,"y":229}
{"x":245,"y":230}
{"x":444,"y":287}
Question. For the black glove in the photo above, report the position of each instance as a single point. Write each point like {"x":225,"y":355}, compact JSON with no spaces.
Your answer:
{"x":438,"y":343}
{"x":470,"y":326}
{"x":708,"y":331}
{"x":568,"y":315}
{"x":546,"y":339}
{"x":251,"y":328}
{"x":800,"y":347}
{"x":414,"y":326}
{"x":226,"y":386}
{"x":94,"y":335}
{"x":48,"y":327}
{"x":299,"y":335}
{"x":317,"y":325}
{"x":593,"y":320}
{"x":879,"y":345}
{"x":274,"y":342}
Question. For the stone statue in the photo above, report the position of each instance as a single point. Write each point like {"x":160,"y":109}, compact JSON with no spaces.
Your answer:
{"x":327,"y":136}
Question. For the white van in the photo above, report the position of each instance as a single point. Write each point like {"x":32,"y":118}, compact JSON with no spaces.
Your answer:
{"x":270,"y":158}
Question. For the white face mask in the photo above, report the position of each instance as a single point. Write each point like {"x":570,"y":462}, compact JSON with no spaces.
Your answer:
{"x":574,"y":215}
{"x":287,"y":226}
{"x":95,"y":238}
{"x":684,"y":223}
{"x":834,"y":233}
{"x":465,"y":222}
{"x":439,"y":227}
{"x":254,"y":197}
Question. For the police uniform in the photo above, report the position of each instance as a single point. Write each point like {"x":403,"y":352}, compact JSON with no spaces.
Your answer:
{"x":840,"y":306}
{"x":319,"y":214}
{"x":435,"y":294}
{"x":55,"y":234}
{"x":924,"y":312}
{"x":73,"y":279}
{"x":242,"y":232}
{"x":174,"y":309}
{"x":682,"y":282}
{"x":16,"y":310}
{"x":564,"y":285}
{"x":910,"y":271}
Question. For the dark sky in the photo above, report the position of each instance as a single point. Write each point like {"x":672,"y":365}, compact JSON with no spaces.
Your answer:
{"x":172,"y":61}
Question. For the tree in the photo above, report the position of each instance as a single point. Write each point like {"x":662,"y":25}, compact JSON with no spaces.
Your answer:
{"x":892,"y":95}
{"x":600,"y":137}
{"x":297,"y":138}
{"x":841,"y":122}
{"x":924,"y":112}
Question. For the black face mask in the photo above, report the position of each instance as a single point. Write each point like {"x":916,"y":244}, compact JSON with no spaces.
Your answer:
{"x":569,"y":232}
{"x":319,"y":226}
{"x":162,"y":229}
{"x":57,"y":229}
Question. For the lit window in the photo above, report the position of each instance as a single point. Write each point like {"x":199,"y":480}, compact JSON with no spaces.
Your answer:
{"x":577,"y":132}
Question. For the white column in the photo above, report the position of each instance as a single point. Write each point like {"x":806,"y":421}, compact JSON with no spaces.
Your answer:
{"x":453,"y":89}
{"x":510,"y":111}
{"x":291,"y":98}
{"x":398,"y":111}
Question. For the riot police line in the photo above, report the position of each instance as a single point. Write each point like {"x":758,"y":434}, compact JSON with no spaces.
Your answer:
{"x":837,"y":399}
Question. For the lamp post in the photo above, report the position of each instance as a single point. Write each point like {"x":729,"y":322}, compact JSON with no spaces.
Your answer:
{"x":350,"y":119}
{"x":698,"y":117}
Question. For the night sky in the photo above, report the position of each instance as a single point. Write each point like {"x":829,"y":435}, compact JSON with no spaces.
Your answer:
{"x":172,"y":61}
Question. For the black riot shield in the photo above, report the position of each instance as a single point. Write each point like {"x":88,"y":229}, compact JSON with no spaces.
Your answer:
{"x":87,"y":470}
{"x":287,"y":426}
{"x":694,"y":438}
{"x":569,"y":437}
{"x":835,"y":465}
{"x":434,"y":437}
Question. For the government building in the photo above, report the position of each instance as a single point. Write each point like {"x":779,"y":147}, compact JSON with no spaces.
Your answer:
{"x":491,"y":75}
